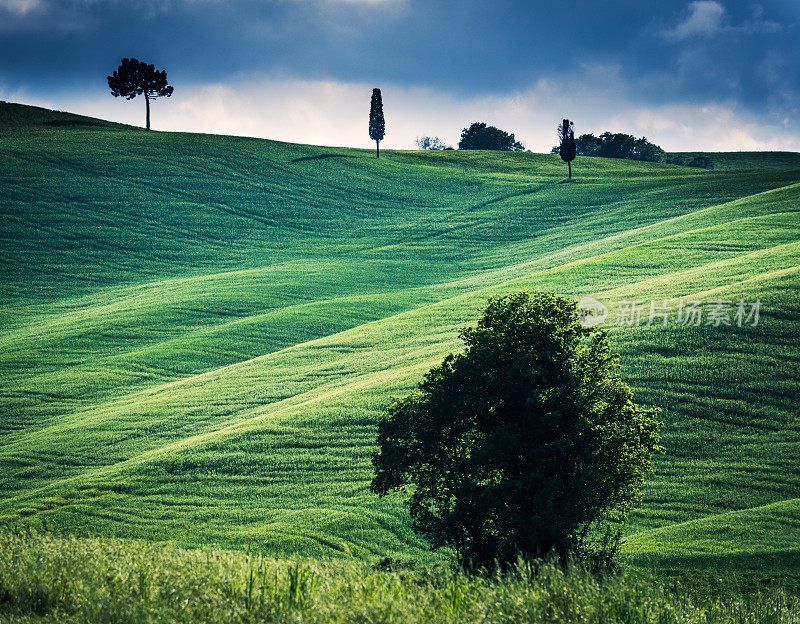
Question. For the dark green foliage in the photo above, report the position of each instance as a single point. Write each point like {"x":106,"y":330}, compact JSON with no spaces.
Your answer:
{"x":566,"y":143}
{"x":703,"y":162}
{"x":588,"y":145}
{"x":134,"y":77}
{"x":618,"y":145}
{"x":377,"y":124}
{"x":479,"y":136}
{"x":648,"y":152}
{"x":525,"y":443}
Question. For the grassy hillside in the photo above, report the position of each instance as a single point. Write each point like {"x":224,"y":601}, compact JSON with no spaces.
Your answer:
{"x":199,"y":332}
{"x":745,"y":160}
{"x":16,"y":117}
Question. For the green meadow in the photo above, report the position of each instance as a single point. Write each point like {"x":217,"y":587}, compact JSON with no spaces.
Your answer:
{"x":198,"y":333}
{"x":57,"y":579}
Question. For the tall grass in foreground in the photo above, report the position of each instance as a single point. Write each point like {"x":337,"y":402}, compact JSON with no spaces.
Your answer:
{"x":65,"y":579}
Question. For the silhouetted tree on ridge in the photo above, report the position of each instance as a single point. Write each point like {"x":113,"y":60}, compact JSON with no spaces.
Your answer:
{"x":479,"y":136}
{"x":566,"y":140}
{"x":377,"y":124}
{"x":134,"y":77}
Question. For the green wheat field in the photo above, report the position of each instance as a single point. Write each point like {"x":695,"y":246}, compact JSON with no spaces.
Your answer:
{"x":198,"y":333}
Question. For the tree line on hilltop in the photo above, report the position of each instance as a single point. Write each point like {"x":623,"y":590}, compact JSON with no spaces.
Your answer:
{"x":620,"y":145}
{"x":134,"y":77}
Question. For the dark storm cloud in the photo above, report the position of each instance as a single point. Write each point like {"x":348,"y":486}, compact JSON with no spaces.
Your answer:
{"x":731,"y":51}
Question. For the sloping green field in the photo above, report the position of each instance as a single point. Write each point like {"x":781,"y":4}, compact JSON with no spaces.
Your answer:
{"x":198,"y":333}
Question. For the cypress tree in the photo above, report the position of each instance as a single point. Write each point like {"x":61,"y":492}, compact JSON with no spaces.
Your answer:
{"x":566,"y":147}
{"x":377,"y":124}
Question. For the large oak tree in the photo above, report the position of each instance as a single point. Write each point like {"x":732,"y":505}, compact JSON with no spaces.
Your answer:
{"x":525,"y":443}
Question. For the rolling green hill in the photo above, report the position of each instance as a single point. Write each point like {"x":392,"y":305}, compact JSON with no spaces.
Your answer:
{"x":16,"y":117}
{"x":745,"y":160}
{"x":198,"y":332}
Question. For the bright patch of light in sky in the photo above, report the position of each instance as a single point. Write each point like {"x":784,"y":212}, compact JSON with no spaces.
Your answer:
{"x":336,"y":114}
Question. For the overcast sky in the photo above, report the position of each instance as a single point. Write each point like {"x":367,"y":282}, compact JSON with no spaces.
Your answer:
{"x":699,"y":74}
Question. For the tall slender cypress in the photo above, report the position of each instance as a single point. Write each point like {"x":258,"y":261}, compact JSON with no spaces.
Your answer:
{"x":377,"y":124}
{"x":567,"y":148}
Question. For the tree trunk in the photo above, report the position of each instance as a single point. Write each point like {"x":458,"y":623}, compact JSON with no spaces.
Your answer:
{"x":147,"y":104}
{"x":569,"y":164}
{"x":377,"y":149}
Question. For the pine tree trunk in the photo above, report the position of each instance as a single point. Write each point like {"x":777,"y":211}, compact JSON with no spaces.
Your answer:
{"x":377,"y":149}
{"x":569,"y":164}
{"x":147,"y":104}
